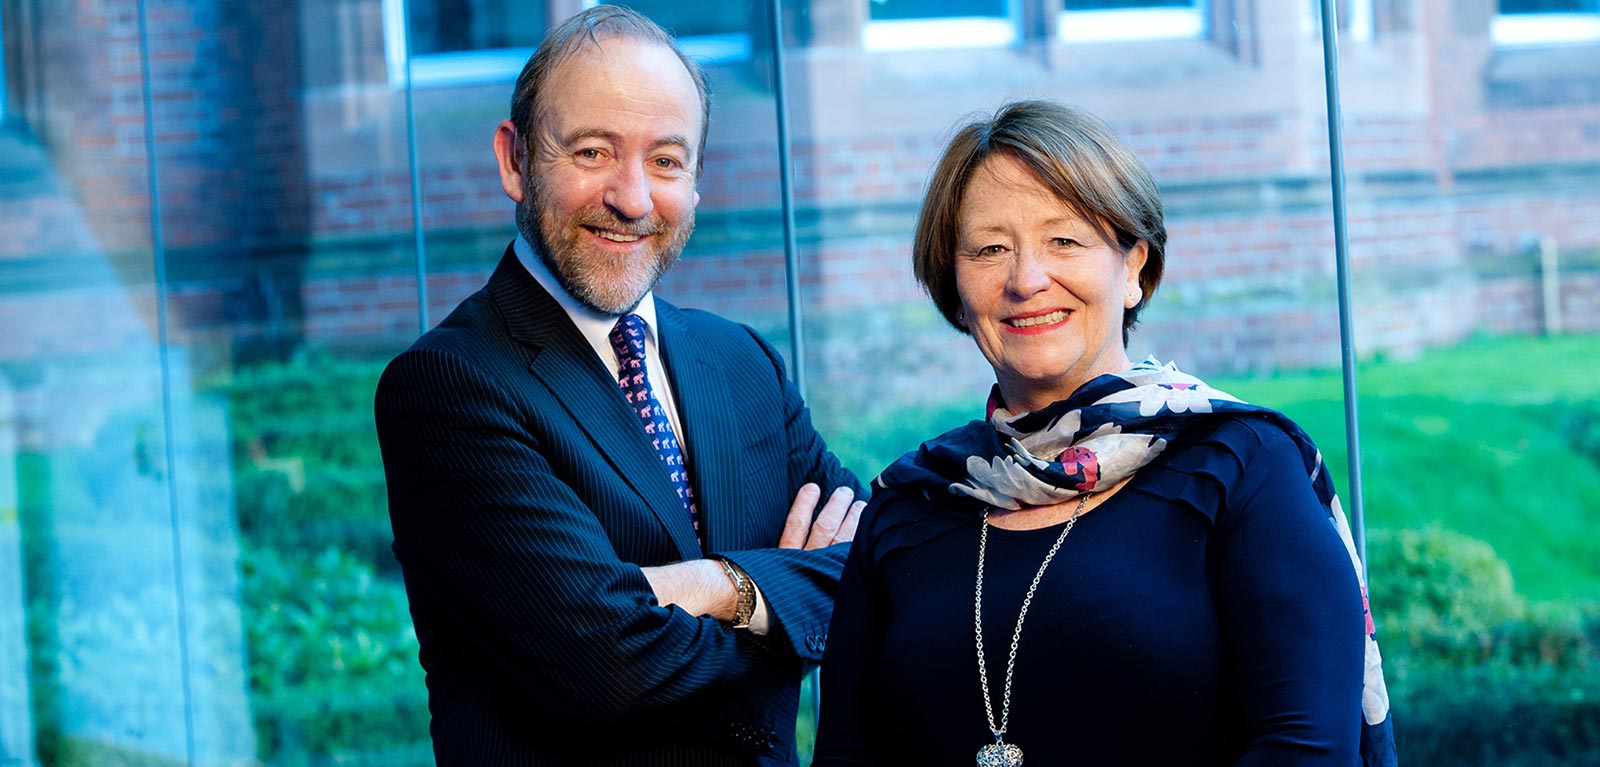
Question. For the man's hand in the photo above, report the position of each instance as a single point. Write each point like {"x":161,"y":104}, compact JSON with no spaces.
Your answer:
{"x":836,"y":523}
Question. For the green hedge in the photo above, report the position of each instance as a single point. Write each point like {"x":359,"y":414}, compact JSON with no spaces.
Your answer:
{"x":1477,"y":674}
{"x":333,"y":660}
{"x":307,"y":471}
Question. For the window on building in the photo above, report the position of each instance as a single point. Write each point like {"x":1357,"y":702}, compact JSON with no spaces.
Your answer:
{"x":460,"y":41}
{"x":1546,"y":22}
{"x":711,"y":31}
{"x":1089,"y":21}
{"x":929,"y":24}
{"x":459,"y":26}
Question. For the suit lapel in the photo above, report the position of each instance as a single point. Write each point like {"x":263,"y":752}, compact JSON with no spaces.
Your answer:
{"x":705,"y":407}
{"x":564,"y":363}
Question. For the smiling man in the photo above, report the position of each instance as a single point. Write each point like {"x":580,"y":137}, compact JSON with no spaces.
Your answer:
{"x":609,"y":511}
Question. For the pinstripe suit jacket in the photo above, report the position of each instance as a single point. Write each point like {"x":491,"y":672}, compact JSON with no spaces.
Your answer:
{"x":524,"y":497}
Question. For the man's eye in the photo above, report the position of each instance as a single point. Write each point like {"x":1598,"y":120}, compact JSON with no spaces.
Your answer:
{"x":589,"y":154}
{"x":666,"y":163}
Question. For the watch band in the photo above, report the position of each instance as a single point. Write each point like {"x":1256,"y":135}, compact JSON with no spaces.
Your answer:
{"x":746,"y":608}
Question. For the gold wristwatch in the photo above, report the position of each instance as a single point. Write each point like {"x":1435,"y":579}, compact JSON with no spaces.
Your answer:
{"x":746,"y":608}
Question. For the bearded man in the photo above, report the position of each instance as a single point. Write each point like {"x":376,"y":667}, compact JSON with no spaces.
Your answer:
{"x":609,"y":511}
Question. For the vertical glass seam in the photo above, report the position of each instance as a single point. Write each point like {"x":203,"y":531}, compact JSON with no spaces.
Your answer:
{"x":418,"y":240}
{"x":158,"y":251}
{"x":791,"y":262}
{"x":1341,"y":250}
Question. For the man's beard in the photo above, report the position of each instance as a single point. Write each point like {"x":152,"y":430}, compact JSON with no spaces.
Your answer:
{"x":581,"y":270}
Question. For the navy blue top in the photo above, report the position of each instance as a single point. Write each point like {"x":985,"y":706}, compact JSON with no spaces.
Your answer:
{"x":1206,"y":614}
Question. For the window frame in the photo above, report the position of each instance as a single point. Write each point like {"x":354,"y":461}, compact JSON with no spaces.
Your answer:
{"x":5,"y":93}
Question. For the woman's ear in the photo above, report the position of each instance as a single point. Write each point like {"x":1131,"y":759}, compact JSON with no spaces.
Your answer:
{"x":1135,"y":264}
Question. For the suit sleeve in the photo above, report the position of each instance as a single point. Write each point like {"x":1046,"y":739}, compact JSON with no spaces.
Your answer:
{"x":798,"y":585}
{"x":1292,"y":607}
{"x":505,"y":549}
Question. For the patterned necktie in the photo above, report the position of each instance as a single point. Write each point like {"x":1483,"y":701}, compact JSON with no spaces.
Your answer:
{"x":627,"y":340}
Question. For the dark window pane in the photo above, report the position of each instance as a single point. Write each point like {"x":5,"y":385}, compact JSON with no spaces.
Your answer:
{"x":450,"y":26}
{"x":1549,"y":6}
{"x":1117,"y":5}
{"x":710,"y":17}
{"x":890,"y":10}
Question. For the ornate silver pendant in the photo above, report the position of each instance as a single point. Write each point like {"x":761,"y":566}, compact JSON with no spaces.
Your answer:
{"x":1000,"y":754}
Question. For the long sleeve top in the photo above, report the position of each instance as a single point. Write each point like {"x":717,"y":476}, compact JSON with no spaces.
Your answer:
{"x":1206,"y":614}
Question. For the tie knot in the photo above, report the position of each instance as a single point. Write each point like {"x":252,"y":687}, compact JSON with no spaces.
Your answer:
{"x":627,"y":337}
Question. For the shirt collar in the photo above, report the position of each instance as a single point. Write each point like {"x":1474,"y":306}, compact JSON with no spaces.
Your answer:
{"x":595,"y":326}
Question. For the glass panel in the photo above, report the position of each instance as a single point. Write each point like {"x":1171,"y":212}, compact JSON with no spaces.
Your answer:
{"x":1475,"y":264}
{"x":734,"y":263}
{"x":316,"y":291}
{"x":238,"y":604}
{"x":1232,"y":134}
{"x":88,"y":564}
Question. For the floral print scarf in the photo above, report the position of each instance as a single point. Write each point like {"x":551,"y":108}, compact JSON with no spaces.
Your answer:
{"x":1100,"y":435}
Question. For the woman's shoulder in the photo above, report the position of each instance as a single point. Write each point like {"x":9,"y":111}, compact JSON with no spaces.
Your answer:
{"x":1204,"y":464}
{"x":901,"y":518}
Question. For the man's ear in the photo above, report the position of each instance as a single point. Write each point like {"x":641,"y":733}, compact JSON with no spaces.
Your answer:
{"x":510,"y":154}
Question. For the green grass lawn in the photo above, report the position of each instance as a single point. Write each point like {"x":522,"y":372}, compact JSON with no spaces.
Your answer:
{"x":1493,"y":438}
{"x":1496,"y":438}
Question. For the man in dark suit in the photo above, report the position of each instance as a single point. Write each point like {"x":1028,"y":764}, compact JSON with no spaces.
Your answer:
{"x":606,"y":508}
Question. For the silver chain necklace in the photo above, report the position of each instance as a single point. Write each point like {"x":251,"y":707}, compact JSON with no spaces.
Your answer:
{"x":1000,"y":753}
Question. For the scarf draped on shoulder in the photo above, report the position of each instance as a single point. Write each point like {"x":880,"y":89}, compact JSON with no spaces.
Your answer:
{"x":1098,"y":436}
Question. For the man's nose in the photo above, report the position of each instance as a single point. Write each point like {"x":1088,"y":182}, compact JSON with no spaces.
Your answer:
{"x":629,"y":192}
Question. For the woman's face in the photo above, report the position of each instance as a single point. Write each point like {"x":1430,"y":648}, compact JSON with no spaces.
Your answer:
{"x":1041,"y":292}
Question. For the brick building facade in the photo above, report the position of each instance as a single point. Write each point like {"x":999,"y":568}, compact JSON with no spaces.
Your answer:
{"x":287,"y":170}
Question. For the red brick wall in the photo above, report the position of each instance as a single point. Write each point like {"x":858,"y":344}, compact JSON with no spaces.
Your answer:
{"x":264,"y":164}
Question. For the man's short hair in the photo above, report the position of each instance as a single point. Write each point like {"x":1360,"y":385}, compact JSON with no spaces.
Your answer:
{"x":589,"y":28}
{"x":1074,"y":155}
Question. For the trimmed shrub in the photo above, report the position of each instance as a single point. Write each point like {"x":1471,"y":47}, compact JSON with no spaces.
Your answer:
{"x":1478,"y":675}
{"x":333,"y":661}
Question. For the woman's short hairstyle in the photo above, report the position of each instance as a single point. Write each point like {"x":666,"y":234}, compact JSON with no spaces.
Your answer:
{"x":589,"y":27}
{"x":1073,"y":154}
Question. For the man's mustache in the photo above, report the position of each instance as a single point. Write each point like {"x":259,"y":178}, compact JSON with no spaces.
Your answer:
{"x":602,"y":219}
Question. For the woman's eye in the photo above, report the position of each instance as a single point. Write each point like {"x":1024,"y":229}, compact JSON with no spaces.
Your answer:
{"x":1063,"y":242}
{"x":991,"y":250}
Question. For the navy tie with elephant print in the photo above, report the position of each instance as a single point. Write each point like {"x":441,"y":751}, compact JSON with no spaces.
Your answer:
{"x":627,"y":340}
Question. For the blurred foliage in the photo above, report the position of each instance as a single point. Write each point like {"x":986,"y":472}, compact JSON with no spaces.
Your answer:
{"x":333,"y":665}
{"x":1477,"y":674}
{"x":306,"y":467}
{"x":333,"y":659}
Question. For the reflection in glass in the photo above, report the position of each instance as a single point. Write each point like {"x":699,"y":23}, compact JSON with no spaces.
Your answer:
{"x":1474,"y":273}
{"x":197,"y":566}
